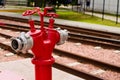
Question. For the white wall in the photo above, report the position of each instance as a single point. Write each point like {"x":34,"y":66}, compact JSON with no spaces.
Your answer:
{"x":110,"y":6}
{"x":16,"y":2}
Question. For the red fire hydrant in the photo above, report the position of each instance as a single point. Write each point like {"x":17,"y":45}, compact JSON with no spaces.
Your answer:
{"x":41,"y":42}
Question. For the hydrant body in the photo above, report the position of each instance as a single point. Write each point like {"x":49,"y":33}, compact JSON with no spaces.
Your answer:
{"x":41,"y":42}
{"x":43,"y":59}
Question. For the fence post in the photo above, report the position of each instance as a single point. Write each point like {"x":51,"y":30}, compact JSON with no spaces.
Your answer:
{"x":93,"y":7}
{"x":117,"y":14}
{"x":103,"y":12}
{"x":84,"y":6}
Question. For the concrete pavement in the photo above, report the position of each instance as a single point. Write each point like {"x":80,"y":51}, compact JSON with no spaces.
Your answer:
{"x":24,"y":70}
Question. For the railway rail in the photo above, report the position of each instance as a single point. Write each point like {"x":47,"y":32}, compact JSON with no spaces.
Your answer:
{"x":75,"y":35}
{"x":56,"y":51}
{"x":70,"y":28}
{"x":57,"y":64}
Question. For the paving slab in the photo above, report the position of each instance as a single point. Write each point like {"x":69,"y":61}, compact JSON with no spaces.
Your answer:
{"x":24,"y":70}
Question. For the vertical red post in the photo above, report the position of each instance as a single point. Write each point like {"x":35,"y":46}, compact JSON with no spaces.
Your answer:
{"x":42,"y":49}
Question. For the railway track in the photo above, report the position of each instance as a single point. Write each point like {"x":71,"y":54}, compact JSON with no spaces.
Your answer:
{"x":78,"y":36}
{"x":70,"y":28}
{"x":114,"y":43}
{"x":59,"y":65}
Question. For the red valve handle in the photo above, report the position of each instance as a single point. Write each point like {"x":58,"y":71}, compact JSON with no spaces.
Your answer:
{"x":46,"y":9}
{"x":28,"y":12}
{"x":31,"y":12}
{"x":52,"y":14}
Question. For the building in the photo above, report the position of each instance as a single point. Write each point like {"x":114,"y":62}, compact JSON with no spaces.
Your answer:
{"x":17,"y":2}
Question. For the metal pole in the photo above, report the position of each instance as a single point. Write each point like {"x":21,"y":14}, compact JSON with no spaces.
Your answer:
{"x":84,"y":6}
{"x":103,"y":12}
{"x":77,"y":5}
{"x":93,"y":7}
{"x":117,"y":11}
{"x":72,"y":5}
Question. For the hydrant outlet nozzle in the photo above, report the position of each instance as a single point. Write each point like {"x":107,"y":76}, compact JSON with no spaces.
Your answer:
{"x":63,"y":36}
{"x":22,"y":43}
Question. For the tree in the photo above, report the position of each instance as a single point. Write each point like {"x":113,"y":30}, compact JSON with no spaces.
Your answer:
{"x":29,"y":2}
{"x":37,"y":3}
{"x":58,"y":2}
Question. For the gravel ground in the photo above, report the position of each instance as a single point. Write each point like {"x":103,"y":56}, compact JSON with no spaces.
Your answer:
{"x":97,"y":52}
{"x":5,"y":58}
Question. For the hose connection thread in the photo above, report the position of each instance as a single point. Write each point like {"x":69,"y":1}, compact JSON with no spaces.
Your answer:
{"x":63,"y":35}
{"x":22,"y":43}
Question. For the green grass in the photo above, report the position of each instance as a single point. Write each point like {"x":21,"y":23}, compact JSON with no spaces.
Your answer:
{"x":70,"y":15}
{"x":74,"y":16}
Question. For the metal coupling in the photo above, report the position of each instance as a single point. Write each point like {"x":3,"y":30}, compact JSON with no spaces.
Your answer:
{"x":63,"y":36}
{"x":22,"y":43}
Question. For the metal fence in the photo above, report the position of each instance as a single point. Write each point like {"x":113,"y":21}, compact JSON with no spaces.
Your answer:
{"x":101,"y":6}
